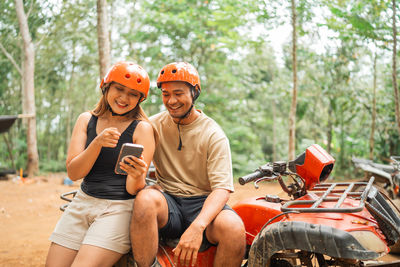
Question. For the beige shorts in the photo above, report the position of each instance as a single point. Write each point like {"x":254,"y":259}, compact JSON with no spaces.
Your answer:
{"x":93,"y":221}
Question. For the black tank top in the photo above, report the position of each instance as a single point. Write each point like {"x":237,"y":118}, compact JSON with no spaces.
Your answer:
{"x":102,"y":181}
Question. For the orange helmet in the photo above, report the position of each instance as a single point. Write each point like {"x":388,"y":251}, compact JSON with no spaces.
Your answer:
{"x":179,"y":72}
{"x":130,"y":75}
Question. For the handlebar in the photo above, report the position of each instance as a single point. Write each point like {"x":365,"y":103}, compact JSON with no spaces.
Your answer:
{"x":250,"y":177}
{"x":274,"y":171}
{"x":266,"y":170}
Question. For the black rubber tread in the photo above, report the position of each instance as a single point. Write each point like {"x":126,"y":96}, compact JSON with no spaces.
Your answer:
{"x":307,"y":237}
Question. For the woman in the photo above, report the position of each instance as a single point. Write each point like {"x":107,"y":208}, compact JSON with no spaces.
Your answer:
{"x":94,"y":229}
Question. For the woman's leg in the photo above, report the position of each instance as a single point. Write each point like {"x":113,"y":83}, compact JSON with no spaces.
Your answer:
{"x":59,"y":256}
{"x":89,"y":255}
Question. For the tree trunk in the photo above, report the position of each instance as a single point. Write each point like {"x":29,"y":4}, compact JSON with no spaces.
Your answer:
{"x":29,"y":88}
{"x":103,"y":37}
{"x":69,"y":97}
{"x":330,"y":128}
{"x":371,"y":137}
{"x":274,"y":158}
{"x":342,"y":146}
{"x":394,"y":68}
{"x":292,"y":116}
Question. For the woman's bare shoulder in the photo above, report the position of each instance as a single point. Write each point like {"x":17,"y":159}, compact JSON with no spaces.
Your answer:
{"x":144,"y":126}
{"x":144,"y":131}
{"x":83,"y":119}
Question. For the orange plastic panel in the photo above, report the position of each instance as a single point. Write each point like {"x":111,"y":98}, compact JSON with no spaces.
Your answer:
{"x":255,"y":212}
{"x":316,"y":160}
{"x":204,"y":259}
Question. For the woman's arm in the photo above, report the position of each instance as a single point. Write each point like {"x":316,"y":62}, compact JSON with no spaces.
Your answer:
{"x":136,"y":179}
{"x":80,"y":160}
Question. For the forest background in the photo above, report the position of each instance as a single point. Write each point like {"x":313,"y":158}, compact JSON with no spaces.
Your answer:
{"x":335,"y":71}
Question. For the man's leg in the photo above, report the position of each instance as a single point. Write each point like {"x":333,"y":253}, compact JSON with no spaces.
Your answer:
{"x":150,"y":213}
{"x":228,"y":232}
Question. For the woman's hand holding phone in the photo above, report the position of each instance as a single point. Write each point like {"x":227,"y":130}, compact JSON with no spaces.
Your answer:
{"x":130,"y":160}
{"x":133,"y":166}
{"x":131,"y":163}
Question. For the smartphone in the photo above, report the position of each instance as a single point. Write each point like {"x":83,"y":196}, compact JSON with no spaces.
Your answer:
{"x":128,"y":149}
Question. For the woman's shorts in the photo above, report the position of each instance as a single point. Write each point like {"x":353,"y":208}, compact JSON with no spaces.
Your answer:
{"x":93,"y":221}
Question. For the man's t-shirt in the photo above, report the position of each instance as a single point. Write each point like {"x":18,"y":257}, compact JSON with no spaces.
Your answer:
{"x":203,"y":163}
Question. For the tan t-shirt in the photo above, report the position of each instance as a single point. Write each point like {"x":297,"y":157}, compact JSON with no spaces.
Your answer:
{"x":204,"y":162}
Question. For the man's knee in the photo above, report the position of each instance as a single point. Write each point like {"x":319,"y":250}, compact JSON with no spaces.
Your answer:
{"x":144,"y":204}
{"x":228,"y":226}
{"x":234,"y":226}
{"x":150,"y":205}
{"x":148,"y":198}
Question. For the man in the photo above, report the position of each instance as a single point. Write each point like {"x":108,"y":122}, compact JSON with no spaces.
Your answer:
{"x":194,"y":173}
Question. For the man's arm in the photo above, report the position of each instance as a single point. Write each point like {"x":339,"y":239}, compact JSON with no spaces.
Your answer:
{"x":219,"y":173}
{"x":191,"y":239}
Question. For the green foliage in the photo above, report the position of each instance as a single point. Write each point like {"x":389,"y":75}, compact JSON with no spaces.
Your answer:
{"x":366,"y":19}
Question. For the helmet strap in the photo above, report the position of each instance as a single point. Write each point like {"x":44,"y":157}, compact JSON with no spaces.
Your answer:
{"x":105,"y":88}
{"x":194,"y":94}
{"x":116,"y":114}
{"x":179,"y":123}
{"x":180,"y":139}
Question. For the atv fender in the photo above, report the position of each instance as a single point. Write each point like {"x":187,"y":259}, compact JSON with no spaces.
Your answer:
{"x":307,"y":237}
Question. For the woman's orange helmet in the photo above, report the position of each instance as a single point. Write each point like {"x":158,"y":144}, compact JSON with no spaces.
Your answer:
{"x":180,"y":72}
{"x":130,"y":75}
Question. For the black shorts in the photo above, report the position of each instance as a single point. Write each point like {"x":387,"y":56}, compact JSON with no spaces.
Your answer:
{"x":182,"y":211}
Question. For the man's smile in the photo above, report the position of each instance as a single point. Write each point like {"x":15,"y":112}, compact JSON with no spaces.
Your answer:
{"x":175,"y":107}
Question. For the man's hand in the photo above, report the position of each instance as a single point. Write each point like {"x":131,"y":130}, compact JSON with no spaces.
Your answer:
{"x":189,"y":245}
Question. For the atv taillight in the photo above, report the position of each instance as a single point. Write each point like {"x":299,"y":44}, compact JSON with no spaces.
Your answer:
{"x":314,"y":165}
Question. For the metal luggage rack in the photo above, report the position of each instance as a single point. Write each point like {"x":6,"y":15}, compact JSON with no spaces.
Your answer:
{"x":70,"y":195}
{"x":327,"y":189}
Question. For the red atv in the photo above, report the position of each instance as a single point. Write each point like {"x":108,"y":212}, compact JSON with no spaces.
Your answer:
{"x":329,"y":224}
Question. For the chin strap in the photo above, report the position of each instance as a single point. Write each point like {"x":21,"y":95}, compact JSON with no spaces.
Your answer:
{"x":195,"y":95}
{"x":180,"y":139}
{"x":116,"y":114}
{"x":179,"y":123}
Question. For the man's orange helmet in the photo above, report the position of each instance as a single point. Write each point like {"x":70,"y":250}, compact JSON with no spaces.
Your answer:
{"x":130,"y":75}
{"x":180,"y":72}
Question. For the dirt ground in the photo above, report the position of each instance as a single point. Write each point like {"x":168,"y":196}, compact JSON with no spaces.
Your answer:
{"x":30,"y":210}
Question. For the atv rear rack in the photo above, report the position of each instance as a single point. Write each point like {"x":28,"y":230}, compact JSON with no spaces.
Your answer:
{"x":327,"y":190}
